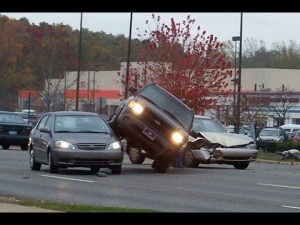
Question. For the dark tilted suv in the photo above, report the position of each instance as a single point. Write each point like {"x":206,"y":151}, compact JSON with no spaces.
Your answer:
{"x":154,"y":121}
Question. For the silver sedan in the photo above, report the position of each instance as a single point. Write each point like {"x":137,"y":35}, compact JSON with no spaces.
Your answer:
{"x":74,"y":139}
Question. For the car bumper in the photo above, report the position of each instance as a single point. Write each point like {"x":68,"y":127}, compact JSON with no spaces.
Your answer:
{"x":225,"y":155}
{"x":87,"y":158}
{"x":13,"y":139}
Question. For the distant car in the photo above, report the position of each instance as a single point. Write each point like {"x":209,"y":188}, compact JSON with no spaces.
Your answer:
{"x":296,"y":137}
{"x":270,"y":134}
{"x":74,"y":139}
{"x":155,"y":124}
{"x":210,"y":143}
{"x":13,"y":130}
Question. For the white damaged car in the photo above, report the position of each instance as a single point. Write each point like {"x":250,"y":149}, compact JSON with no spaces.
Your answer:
{"x":210,"y":143}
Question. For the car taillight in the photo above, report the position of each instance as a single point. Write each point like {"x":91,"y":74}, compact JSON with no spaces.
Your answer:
{"x":26,"y":131}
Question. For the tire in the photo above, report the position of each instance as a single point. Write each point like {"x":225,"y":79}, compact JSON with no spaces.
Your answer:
{"x":24,"y":147}
{"x":95,"y":169}
{"x":135,"y":155}
{"x":52,"y":167}
{"x":161,"y":166}
{"x":5,"y":146}
{"x":116,"y":169}
{"x":33,"y":164}
{"x":241,"y":166}
{"x":189,"y":159}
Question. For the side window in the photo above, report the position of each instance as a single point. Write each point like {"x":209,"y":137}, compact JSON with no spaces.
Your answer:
{"x":49,"y":122}
{"x":42,"y":122}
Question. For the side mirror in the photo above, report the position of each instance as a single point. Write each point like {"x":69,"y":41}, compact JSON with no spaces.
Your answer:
{"x":133,"y":90}
{"x":45,"y":129}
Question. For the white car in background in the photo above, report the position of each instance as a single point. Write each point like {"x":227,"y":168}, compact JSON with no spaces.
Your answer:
{"x":210,"y":143}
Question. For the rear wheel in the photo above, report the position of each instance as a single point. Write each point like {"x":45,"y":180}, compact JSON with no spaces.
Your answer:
{"x":241,"y":166}
{"x":5,"y":146}
{"x":136,"y":155}
{"x":52,"y":167}
{"x":24,"y":147}
{"x":33,"y":164}
{"x":189,"y":160}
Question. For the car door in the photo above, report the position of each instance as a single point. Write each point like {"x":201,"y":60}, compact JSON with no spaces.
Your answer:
{"x":37,"y":139}
{"x":45,"y":139}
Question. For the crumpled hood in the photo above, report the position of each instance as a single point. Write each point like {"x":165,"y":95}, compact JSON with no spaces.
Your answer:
{"x":227,"y":139}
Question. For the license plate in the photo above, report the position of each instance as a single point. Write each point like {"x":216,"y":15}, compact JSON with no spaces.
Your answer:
{"x":12,"y":132}
{"x":149,"y":133}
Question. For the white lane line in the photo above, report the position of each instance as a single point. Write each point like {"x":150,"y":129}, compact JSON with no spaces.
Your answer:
{"x":277,"y":185}
{"x":292,"y":207}
{"x":66,"y":178}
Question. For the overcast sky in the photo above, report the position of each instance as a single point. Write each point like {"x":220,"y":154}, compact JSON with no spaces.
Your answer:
{"x":269,"y":27}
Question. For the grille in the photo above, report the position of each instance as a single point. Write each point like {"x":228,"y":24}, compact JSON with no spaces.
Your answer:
{"x":91,"y":146}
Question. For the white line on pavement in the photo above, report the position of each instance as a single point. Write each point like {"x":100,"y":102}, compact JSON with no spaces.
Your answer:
{"x":66,"y":178}
{"x":292,"y":207}
{"x":277,"y":185}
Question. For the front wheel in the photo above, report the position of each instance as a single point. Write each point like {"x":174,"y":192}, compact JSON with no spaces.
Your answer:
{"x":33,"y":164}
{"x":189,"y":160}
{"x":116,"y":169}
{"x":161,"y":166}
{"x":241,"y":166}
{"x":136,"y":155}
{"x":95,"y":169}
{"x":52,"y":167}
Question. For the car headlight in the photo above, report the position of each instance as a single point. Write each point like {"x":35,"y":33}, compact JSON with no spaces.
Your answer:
{"x":115,"y":145}
{"x":64,"y":145}
{"x":137,"y":108}
{"x":177,"y":138}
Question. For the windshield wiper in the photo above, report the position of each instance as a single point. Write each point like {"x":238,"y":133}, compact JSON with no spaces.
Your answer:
{"x":91,"y":131}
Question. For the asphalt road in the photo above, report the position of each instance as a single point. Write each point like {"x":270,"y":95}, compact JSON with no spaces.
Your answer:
{"x":209,"y":188}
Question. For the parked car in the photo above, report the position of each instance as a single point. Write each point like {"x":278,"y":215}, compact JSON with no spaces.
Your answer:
{"x":74,"y":139}
{"x":296,"y":136}
{"x":13,"y":130}
{"x":291,"y":127}
{"x":270,"y":134}
{"x":209,"y":143}
{"x":154,"y":121}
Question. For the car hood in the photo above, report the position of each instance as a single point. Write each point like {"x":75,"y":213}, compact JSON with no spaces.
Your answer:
{"x":85,"y":137}
{"x":227,"y":139}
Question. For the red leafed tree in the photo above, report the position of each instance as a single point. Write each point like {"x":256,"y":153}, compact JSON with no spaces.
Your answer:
{"x":194,"y":68}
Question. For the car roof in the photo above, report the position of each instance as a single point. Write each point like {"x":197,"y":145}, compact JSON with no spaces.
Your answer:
{"x":61,"y":113}
{"x":8,"y":112}
{"x":272,"y":128}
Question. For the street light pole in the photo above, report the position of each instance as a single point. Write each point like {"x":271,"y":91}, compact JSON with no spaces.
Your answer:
{"x":128,"y":57}
{"x":78,"y":68}
{"x":235,"y":39}
{"x":238,"y":112}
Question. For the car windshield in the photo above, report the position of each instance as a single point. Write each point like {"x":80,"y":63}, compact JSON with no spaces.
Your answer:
{"x":80,"y":124}
{"x":269,"y":133}
{"x":170,"y":104}
{"x":207,"y":125}
{"x":11,"y":118}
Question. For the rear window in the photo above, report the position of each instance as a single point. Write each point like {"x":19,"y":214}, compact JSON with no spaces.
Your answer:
{"x":169,"y":103}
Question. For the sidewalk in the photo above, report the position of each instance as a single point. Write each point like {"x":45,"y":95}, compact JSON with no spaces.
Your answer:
{"x":7,"y":207}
